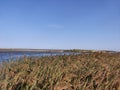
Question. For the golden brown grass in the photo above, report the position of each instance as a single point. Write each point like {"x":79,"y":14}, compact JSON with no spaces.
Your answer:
{"x":95,"y":71}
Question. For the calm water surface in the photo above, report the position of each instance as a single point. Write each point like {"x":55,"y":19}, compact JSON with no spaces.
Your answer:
{"x":6,"y":56}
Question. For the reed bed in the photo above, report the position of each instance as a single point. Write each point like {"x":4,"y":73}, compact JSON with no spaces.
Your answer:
{"x":93,"y":71}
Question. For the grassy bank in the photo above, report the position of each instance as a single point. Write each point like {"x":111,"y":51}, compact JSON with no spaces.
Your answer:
{"x":95,"y":71}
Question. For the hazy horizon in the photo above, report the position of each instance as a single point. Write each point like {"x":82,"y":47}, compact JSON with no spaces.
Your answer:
{"x":57,"y":24}
{"x":60,"y":49}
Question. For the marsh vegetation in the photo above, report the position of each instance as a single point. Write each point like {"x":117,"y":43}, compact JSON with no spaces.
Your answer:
{"x":93,"y":71}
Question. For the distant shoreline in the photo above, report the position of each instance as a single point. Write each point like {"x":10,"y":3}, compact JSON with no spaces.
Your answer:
{"x":31,"y":50}
{"x":50,"y":50}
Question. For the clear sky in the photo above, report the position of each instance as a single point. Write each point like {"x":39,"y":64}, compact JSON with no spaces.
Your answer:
{"x":60,"y":24}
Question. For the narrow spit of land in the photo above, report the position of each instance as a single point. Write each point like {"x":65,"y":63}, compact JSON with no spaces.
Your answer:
{"x":49,"y":50}
{"x":92,"y":71}
{"x":29,"y":50}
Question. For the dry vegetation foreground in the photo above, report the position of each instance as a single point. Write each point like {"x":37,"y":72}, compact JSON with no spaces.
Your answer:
{"x":95,"y":71}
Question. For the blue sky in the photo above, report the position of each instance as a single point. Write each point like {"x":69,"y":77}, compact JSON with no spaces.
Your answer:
{"x":60,"y":24}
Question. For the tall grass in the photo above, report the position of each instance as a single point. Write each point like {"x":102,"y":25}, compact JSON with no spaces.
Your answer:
{"x":95,"y":71}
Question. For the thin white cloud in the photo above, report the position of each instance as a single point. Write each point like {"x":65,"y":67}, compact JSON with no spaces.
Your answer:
{"x":55,"y":26}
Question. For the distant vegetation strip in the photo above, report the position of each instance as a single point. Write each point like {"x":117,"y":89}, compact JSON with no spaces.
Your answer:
{"x":93,"y":71}
{"x":50,"y":50}
{"x":31,"y":50}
